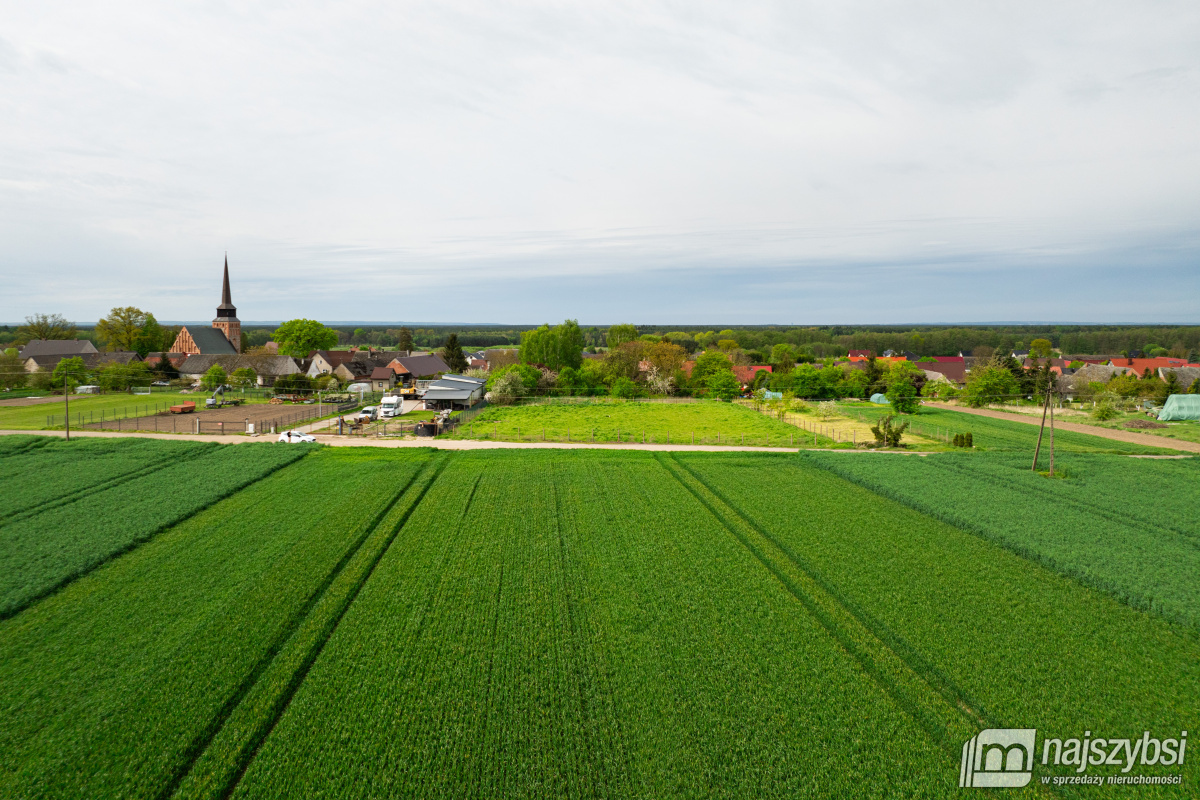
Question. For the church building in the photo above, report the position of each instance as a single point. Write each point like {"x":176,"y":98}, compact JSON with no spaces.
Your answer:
{"x":225,"y":335}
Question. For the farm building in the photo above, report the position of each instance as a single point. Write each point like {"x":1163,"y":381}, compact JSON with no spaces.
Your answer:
{"x":454,"y":391}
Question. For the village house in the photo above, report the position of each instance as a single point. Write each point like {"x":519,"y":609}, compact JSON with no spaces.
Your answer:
{"x":268,"y":368}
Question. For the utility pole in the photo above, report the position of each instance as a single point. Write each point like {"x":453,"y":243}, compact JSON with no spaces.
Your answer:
{"x":1050,"y":394}
{"x":1038,"y":449}
{"x":67,"y":404}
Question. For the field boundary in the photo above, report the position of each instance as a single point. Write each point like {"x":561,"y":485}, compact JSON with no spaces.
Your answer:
{"x":131,"y":546}
{"x":886,"y":658}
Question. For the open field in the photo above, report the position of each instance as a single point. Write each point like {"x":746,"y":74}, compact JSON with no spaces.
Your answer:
{"x":708,"y":421}
{"x":88,"y":408}
{"x":361,"y":621}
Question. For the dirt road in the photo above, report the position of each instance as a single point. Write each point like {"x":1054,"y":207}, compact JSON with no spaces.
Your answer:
{"x":1104,"y":433}
{"x":440,"y":444}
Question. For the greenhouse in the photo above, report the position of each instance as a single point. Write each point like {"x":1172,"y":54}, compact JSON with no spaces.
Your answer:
{"x":1180,"y":407}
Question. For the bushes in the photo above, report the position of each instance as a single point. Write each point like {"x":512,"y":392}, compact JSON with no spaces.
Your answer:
{"x":887,"y":433}
{"x":903,"y":396}
{"x":507,"y":388}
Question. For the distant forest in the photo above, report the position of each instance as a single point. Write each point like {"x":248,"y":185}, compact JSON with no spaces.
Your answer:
{"x":817,"y":341}
{"x":820,"y":342}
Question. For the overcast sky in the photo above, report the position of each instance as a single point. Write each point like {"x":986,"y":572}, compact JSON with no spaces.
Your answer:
{"x":675,"y":162}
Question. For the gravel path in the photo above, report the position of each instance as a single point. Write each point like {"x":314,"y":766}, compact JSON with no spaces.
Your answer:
{"x":1104,"y":433}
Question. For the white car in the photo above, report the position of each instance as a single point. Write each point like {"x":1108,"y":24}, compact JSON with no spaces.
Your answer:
{"x":296,"y":436}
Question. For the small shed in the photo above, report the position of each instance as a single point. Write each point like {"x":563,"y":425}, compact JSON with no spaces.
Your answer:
{"x":1180,"y":407}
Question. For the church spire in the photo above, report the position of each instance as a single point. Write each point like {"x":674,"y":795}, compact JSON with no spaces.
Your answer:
{"x":226,"y":309}
{"x":226,"y":300}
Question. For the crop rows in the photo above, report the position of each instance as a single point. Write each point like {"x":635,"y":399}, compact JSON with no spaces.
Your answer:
{"x":42,"y":552}
{"x":1124,"y":526}
{"x":60,"y":471}
{"x":387,"y":623}
{"x":1023,"y":645}
{"x":565,"y":626}
{"x":117,"y":685}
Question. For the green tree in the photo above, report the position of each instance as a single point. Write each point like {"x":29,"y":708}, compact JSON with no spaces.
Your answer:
{"x":244,"y":377}
{"x":553,"y":348}
{"x":295,"y":382}
{"x":623,"y":387}
{"x":69,"y":372}
{"x":299,"y":337}
{"x":783,"y":358}
{"x":165,"y":370}
{"x":1041,"y":348}
{"x":1169,"y":387}
{"x":991,"y":383}
{"x":903,"y":396}
{"x":570,"y":345}
{"x":538,"y":346}
{"x":46,"y":326}
{"x":708,"y":364}
{"x":214,"y":377}
{"x":452,"y":354}
{"x":404,"y":340}
{"x":152,"y":337}
{"x":723,"y":385}
{"x":121,"y":328}
{"x":114,"y":377}
{"x":12,"y":371}
{"x":620,"y":334}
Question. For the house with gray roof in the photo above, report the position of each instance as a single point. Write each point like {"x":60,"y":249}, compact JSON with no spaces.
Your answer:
{"x":56,"y":347}
{"x":268,"y":368}
{"x":1185,"y":375}
{"x":92,"y":360}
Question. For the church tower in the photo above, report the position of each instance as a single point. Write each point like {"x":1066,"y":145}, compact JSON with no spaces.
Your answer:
{"x":227,"y":321}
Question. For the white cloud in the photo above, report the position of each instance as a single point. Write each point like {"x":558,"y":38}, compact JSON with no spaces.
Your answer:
{"x":348,"y":155}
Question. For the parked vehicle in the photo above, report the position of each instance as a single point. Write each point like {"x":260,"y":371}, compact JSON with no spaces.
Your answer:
{"x":368,"y":414}
{"x":391,"y":406}
{"x":295,"y":436}
{"x":161,"y":383}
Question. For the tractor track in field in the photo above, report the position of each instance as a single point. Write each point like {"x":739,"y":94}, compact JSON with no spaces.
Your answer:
{"x":945,"y":703}
{"x":314,"y":651}
{"x":732,"y":518}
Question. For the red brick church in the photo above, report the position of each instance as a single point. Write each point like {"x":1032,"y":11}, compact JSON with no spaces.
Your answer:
{"x":225,"y":335}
